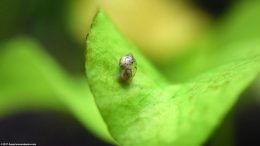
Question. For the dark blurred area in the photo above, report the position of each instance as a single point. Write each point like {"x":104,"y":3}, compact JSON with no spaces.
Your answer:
{"x":45,"y":21}
{"x":45,"y":128}
{"x":215,"y":7}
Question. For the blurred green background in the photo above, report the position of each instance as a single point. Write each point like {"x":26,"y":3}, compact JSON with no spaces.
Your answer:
{"x":164,"y":30}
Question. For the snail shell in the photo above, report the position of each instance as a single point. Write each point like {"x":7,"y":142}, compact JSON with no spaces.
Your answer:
{"x":128,"y":67}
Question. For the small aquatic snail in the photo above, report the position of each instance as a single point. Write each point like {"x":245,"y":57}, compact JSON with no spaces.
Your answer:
{"x":128,"y":67}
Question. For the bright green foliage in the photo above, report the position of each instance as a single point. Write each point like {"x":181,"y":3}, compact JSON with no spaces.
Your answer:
{"x":154,"y":109}
{"x":30,"y":79}
{"x":150,"y":111}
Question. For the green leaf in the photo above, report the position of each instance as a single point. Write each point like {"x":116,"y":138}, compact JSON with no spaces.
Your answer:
{"x":150,"y":111}
{"x":238,"y":25}
{"x":31,"y":80}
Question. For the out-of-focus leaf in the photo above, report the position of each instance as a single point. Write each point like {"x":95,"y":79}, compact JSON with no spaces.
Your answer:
{"x":151,"y":111}
{"x":30,"y":79}
{"x":239,"y":26}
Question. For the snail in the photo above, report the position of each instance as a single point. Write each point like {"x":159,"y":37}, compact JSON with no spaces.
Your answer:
{"x":128,"y":67}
